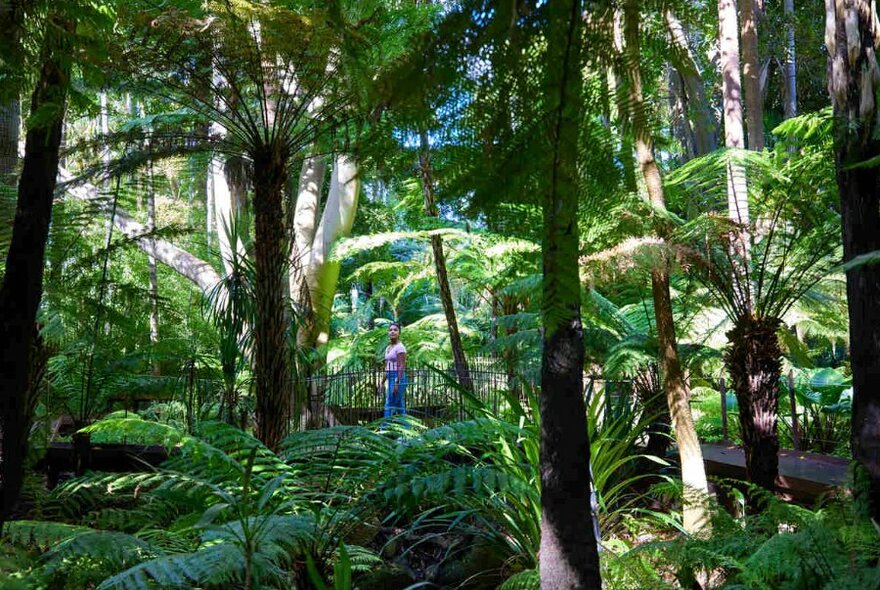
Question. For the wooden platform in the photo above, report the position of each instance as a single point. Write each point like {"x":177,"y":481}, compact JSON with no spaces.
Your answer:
{"x":118,"y":458}
{"x":804,"y":477}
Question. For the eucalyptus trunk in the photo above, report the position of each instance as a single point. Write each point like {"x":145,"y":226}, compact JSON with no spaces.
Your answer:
{"x":151,"y":261}
{"x":10,"y":109}
{"x":569,"y":558}
{"x":705,"y":135}
{"x":731,"y":92}
{"x":271,"y":359}
{"x":693,"y":470}
{"x":22,"y":286}
{"x":789,"y":70}
{"x":754,"y":362}
{"x":458,"y":357}
{"x":850,"y":36}
{"x":737,"y":188}
{"x":10,"y":122}
{"x":678,"y":112}
{"x":752,"y":75}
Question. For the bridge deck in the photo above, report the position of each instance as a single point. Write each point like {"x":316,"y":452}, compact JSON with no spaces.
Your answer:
{"x":804,"y":477}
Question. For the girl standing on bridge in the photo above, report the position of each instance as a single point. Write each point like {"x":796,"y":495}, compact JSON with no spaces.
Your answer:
{"x":395,"y":372}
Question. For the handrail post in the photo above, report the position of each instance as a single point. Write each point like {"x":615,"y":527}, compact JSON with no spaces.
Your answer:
{"x":723,"y":409}
{"x":795,"y":427}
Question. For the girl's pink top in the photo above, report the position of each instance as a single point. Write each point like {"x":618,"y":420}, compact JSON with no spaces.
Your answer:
{"x":391,"y":356}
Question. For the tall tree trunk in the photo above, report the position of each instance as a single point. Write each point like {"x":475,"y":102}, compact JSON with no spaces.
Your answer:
{"x":737,"y":190}
{"x":789,"y":70}
{"x":851,"y":37}
{"x":754,"y":361}
{"x":622,"y":106}
{"x":731,"y":90}
{"x":569,"y":557}
{"x":752,"y":75}
{"x":693,"y":470}
{"x":705,"y":136}
{"x":678,"y":110}
{"x":151,"y":260}
{"x":10,"y":122}
{"x":322,"y":272}
{"x":271,"y":365}
{"x":22,"y":286}
{"x":427,"y":177}
{"x":305,"y":223}
{"x":10,"y":110}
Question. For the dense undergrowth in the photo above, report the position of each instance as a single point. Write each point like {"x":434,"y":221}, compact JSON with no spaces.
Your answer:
{"x":397,"y":504}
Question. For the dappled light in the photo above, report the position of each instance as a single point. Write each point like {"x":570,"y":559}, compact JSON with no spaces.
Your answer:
{"x":364,"y":294}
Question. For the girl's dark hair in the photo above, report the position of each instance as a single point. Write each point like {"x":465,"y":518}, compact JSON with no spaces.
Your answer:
{"x":395,"y":324}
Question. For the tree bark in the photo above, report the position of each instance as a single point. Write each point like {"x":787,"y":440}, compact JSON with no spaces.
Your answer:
{"x":678,"y":111}
{"x":22,"y":286}
{"x":10,"y":122}
{"x":754,"y":361}
{"x":622,"y":106}
{"x":458,"y":357}
{"x":851,"y":36}
{"x":271,"y":366}
{"x":305,"y":224}
{"x":10,"y":111}
{"x":705,"y":136}
{"x":151,"y":260}
{"x":569,"y":557}
{"x":322,"y":272}
{"x":737,"y":190}
{"x":185,"y":264}
{"x":696,"y":514}
{"x":789,"y":70}
{"x":752,"y":75}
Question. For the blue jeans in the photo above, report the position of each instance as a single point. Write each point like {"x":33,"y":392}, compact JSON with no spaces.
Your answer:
{"x":395,"y":403}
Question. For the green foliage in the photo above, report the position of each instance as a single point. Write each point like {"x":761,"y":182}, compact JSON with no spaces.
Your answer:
{"x":785,"y":547}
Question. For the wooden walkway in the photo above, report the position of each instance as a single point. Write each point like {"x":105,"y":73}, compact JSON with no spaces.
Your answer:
{"x":803,"y":477}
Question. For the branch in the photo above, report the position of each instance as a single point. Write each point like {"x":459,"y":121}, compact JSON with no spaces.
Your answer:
{"x":195,"y":269}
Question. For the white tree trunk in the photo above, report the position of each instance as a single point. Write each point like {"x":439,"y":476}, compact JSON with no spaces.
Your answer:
{"x":322,"y":273}
{"x":305,"y":224}
{"x":737,"y":188}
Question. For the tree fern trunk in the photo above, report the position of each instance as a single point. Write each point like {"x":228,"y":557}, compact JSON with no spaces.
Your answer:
{"x":272,"y":317}
{"x":852,"y":83}
{"x":568,"y":557}
{"x":754,"y":361}
{"x":427,"y":177}
{"x":22,"y":286}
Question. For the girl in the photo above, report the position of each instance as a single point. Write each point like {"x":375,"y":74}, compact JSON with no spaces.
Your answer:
{"x":395,"y":372}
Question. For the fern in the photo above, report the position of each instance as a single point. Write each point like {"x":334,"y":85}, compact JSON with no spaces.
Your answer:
{"x":40,"y":534}
{"x":525,"y":580}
